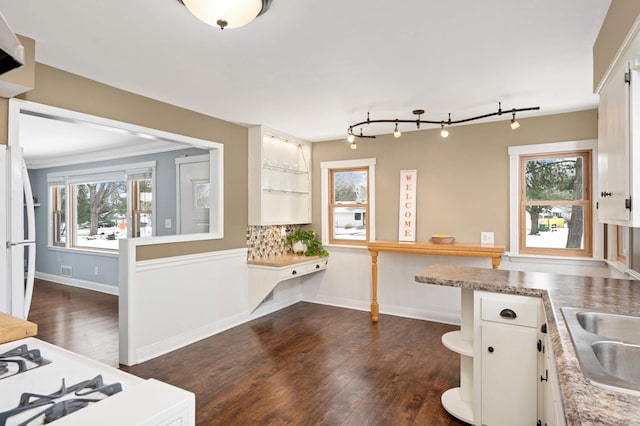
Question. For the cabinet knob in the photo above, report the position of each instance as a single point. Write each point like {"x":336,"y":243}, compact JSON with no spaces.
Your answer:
{"x":508,"y":313}
{"x":605,"y":194}
{"x":294,"y":272}
{"x":490,"y":349}
{"x":317,"y":266}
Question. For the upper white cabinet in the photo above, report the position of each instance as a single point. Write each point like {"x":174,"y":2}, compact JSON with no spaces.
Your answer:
{"x":619,"y":139}
{"x":279,"y":178}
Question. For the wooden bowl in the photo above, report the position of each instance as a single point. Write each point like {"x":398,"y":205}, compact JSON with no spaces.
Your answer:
{"x":447,"y":239}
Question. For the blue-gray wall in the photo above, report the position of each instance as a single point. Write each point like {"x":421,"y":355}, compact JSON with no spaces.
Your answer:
{"x":83,"y":264}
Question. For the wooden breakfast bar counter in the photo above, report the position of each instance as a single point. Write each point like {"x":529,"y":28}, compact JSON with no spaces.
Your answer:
{"x":492,"y":251}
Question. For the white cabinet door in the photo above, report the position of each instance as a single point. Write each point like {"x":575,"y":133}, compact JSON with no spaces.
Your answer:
{"x":509,"y":375}
{"x":550,"y":405}
{"x":613,"y":149}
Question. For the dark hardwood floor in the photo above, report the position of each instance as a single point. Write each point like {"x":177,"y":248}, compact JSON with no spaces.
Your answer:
{"x":82,"y":321}
{"x":304,"y":365}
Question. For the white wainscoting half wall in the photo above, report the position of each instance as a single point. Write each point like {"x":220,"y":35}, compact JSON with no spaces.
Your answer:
{"x":169,"y":303}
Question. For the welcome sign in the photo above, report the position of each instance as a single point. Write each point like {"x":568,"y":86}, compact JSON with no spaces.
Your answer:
{"x":407,"y":218}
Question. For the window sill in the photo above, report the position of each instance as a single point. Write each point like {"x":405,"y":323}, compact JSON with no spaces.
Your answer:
{"x":623,"y":269}
{"x":347,"y":246}
{"x":86,"y":251}
{"x":559,"y":260}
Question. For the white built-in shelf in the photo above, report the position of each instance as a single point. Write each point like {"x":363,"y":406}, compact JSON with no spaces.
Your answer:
{"x":285,"y":169}
{"x":454,"y":342}
{"x":285,"y":191}
{"x":453,"y":403}
{"x":279,"y":178}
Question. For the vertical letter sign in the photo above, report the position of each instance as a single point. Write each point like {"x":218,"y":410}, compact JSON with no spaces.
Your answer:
{"x":407,"y":219}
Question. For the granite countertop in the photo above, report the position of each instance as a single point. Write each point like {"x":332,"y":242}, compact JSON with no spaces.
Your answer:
{"x":584,"y":403}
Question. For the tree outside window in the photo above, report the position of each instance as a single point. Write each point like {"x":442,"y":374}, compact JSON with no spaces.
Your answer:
{"x":555,"y":207}
{"x":101,"y":211}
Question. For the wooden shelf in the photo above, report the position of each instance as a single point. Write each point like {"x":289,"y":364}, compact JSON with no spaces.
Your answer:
{"x":454,"y":342}
{"x":265,"y":274}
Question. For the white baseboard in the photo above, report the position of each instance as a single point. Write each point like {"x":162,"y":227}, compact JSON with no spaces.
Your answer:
{"x":74,"y":282}
{"x":421,"y":314}
{"x":399,"y":311}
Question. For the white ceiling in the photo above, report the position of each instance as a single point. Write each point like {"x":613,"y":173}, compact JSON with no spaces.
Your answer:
{"x":311,"y":68}
{"x":49,"y":142}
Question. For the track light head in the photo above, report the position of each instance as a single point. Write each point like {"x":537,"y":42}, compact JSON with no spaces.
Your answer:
{"x":444,"y":132}
{"x":351,"y":138}
{"x":353,"y":145}
{"x":396,"y":132}
{"x":514,"y":122}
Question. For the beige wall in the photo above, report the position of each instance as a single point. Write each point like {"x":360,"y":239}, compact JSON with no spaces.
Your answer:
{"x":620,"y":17}
{"x":463,"y":181}
{"x":61,"y":89}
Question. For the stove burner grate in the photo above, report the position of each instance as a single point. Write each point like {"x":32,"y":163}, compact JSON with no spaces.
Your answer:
{"x":58,"y":409}
{"x":20,"y":359}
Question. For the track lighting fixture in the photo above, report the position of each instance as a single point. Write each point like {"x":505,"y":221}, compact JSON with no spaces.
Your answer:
{"x":443,"y":132}
{"x":514,"y":122}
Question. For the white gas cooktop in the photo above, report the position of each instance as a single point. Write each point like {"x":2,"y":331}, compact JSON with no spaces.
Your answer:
{"x":109,"y":396}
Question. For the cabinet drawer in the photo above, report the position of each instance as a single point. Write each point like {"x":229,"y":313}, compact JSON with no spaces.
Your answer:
{"x":302,"y":269}
{"x":515,"y":310}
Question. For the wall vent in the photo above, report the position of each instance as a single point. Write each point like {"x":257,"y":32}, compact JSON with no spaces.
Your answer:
{"x":66,"y":271}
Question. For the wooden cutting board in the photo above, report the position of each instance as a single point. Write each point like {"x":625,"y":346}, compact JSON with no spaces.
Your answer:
{"x":12,"y":328}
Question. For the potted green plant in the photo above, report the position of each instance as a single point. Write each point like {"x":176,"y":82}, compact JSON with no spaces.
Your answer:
{"x":306,"y":242}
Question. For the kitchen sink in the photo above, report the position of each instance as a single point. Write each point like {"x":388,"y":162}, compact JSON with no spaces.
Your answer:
{"x":612,"y":326}
{"x":619,"y":359}
{"x":608,"y":347}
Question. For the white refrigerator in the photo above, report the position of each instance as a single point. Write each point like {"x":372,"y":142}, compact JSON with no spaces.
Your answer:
{"x":17,"y":234}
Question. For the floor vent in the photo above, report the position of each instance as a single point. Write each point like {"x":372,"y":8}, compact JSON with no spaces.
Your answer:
{"x":66,"y":271}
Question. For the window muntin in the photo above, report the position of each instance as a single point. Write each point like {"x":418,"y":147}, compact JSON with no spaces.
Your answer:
{"x":555,"y":206}
{"x":349,"y":205}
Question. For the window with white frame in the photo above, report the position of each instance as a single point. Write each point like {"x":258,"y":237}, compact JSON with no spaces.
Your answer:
{"x":93,"y":209}
{"x":551,"y":199}
{"x":348,"y":201}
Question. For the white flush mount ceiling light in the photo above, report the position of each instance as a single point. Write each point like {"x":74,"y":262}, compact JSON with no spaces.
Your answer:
{"x":351,"y":135}
{"x":227,"y":13}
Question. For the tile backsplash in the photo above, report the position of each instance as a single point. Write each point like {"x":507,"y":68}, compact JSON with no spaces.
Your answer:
{"x":265,"y":241}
